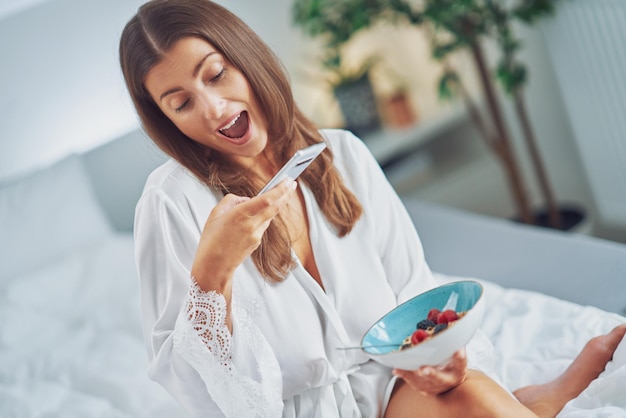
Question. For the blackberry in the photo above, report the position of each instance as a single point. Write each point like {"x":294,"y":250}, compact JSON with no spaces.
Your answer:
{"x":440,"y":327}
{"x":425,"y":324}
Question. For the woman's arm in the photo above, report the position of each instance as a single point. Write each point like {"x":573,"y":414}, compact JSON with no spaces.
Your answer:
{"x":165,"y":242}
{"x":404,"y":263}
{"x":231,"y":233}
{"x":186,"y":322}
{"x":394,"y":234}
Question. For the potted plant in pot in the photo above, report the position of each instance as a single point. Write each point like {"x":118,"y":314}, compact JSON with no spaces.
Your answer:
{"x":355,"y":94}
{"x":467,"y":24}
{"x":350,"y":83}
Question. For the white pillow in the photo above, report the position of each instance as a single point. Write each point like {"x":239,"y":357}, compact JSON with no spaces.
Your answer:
{"x":46,"y":215}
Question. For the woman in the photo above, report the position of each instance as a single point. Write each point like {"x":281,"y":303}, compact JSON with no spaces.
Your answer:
{"x":246,"y":299}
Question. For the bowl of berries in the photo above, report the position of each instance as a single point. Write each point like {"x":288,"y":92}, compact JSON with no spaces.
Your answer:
{"x":427,"y":329}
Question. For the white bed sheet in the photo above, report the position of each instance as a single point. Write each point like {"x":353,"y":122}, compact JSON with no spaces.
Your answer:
{"x":537,"y":336}
{"x":71,"y":343}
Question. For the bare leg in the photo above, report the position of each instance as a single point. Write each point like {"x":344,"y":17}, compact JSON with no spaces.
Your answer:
{"x":477,"y":396}
{"x":548,"y":399}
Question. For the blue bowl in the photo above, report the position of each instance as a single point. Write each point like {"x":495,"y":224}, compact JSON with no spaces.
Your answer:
{"x":382,"y":341}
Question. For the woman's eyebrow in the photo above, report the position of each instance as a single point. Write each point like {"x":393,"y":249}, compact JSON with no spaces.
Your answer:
{"x":196,"y":70}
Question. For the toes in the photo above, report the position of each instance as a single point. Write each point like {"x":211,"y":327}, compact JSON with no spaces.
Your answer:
{"x":617,"y":334}
{"x":605,"y":345}
{"x":620,"y":330}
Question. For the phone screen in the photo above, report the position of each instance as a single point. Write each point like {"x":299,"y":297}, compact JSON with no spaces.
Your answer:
{"x":295,"y":166}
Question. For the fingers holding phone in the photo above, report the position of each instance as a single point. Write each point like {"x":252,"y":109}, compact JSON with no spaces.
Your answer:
{"x":236,"y":225}
{"x":232,"y":232}
{"x":295,"y":166}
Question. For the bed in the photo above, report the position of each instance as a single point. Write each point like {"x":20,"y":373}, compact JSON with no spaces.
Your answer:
{"x":70,"y":336}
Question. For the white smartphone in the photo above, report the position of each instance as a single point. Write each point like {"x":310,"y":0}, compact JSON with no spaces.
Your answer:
{"x":295,"y":166}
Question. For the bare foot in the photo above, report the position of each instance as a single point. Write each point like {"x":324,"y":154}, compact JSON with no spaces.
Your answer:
{"x":548,"y":399}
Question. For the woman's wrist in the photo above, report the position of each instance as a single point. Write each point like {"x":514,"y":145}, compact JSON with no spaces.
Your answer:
{"x":212,"y":279}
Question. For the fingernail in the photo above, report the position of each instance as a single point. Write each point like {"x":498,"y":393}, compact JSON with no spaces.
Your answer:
{"x":293,"y":185}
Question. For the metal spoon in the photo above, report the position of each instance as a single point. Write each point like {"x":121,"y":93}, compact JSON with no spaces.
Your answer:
{"x":356,"y":347}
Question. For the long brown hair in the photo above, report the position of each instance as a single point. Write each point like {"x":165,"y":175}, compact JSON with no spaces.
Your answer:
{"x":156,"y":27}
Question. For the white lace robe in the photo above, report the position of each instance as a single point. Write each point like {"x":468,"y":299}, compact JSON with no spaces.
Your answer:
{"x":282,"y":358}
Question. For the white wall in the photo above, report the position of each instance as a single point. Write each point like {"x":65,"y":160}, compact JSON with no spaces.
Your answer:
{"x":60,"y":83}
{"x":587,"y":42}
{"x":552,"y":127}
{"x":62,"y":92}
{"x":8,"y":7}
{"x":61,"y":86}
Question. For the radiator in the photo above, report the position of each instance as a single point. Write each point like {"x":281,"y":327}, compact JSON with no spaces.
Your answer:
{"x":587,"y":44}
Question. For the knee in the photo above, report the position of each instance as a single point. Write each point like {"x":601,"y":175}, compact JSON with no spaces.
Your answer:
{"x":479,"y":396}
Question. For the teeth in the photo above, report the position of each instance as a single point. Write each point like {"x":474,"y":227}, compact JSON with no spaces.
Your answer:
{"x":230,"y":125}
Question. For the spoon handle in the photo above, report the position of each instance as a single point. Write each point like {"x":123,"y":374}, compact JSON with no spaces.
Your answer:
{"x":357,"y":347}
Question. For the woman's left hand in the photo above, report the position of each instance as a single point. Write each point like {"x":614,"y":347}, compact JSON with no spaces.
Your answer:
{"x":434,"y":380}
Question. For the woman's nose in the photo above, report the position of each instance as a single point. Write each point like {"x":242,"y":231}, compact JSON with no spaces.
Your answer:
{"x":213,"y":105}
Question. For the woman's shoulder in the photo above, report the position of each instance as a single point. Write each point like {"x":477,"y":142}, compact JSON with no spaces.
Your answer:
{"x":344,"y":144}
{"x":173,"y":182}
{"x":347,"y":148}
{"x":339,"y":137}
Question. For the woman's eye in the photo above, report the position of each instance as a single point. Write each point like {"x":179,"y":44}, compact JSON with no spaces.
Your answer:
{"x":219,"y":75}
{"x":182,"y":107}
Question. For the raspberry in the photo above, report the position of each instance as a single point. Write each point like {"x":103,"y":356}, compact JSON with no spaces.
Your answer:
{"x":432,"y":314}
{"x":418,"y":336}
{"x":447,"y":316}
{"x":425,"y":324}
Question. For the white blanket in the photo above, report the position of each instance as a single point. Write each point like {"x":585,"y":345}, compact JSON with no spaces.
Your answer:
{"x":536,"y":337}
{"x":71,"y":344}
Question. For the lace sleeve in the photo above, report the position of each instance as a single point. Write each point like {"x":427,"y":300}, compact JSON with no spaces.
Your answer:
{"x":206,"y":312}
{"x":202,"y":338}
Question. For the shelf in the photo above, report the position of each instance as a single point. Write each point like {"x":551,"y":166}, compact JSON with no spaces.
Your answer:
{"x":387,"y":144}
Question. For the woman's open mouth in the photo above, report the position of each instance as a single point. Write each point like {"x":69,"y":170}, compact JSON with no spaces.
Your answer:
{"x":237,"y":128}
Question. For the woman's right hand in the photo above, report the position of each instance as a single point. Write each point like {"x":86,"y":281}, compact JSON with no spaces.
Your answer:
{"x":232,"y":232}
{"x":434,"y":380}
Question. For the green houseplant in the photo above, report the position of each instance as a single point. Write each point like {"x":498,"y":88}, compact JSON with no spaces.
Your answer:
{"x":349,"y":83}
{"x":456,"y":25}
